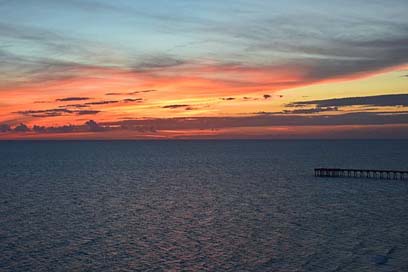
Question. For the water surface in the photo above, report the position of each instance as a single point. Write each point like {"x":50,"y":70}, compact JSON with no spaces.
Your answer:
{"x":200,"y":205}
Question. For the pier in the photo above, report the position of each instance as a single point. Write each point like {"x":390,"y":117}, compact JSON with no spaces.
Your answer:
{"x":360,"y":173}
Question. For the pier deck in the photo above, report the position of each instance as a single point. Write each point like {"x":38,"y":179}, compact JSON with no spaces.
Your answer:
{"x":361,"y":173}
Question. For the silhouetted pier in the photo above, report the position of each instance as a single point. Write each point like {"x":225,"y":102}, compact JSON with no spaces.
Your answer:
{"x":360,"y":173}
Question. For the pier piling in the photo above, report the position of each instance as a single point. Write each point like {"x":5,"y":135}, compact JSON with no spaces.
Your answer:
{"x":361,"y":173}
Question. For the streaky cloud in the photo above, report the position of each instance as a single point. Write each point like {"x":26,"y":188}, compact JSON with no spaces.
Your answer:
{"x":55,"y":112}
{"x":228,"y":98}
{"x":131,"y":93}
{"x":175,"y":106}
{"x":127,"y":100}
{"x":391,"y":100}
{"x":311,"y":111}
{"x":87,"y":112}
{"x":104,"y":102}
{"x":66,"y":99}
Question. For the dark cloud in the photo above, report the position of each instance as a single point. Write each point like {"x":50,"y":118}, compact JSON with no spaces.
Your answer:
{"x":93,"y":126}
{"x":89,"y":126}
{"x":57,"y":129}
{"x":87,"y":112}
{"x":218,"y":123}
{"x":320,"y":46}
{"x":45,"y":113}
{"x":267,"y":96}
{"x":39,"y":129}
{"x":55,"y":112}
{"x":331,"y":48}
{"x":190,"y":108}
{"x":72,"y":99}
{"x":21,"y":128}
{"x":378,"y":101}
{"x":5,"y":128}
{"x":310,"y":111}
{"x":365,"y":57}
{"x":75,"y":106}
{"x":228,"y":98}
{"x":176,"y":106}
{"x":246,"y":98}
{"x":102,"y":102}
{"x":263,"y":119}
{"x":61,"y":129}
{"x":132,"y":100}
{"x":132,"y":93}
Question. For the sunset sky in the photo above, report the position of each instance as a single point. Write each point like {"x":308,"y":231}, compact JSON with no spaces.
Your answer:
{"x":87,"y":69}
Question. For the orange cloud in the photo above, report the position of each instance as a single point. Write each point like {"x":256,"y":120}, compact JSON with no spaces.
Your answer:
{"x":200,"y":83}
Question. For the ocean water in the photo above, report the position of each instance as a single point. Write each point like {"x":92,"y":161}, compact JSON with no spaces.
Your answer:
{"x":200,"y":206}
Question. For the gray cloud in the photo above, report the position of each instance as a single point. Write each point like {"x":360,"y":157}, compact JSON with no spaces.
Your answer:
{"x":88,"y":126}
{"x":268,"y":120}
{"x":91,"y":125}
{"x":5,"y":128}
{"x":246,"y":98}
{"x":72,"y":99}
{"x":378,"y":100}
{"x":45,"y":113}
{"x":21,"y":128}
{"x":159,"y":61}
{"x":127,"y":100}
{"x":57,"y":129}
{"x":318,"y":44}
{"x":310,"y":111}
{"x":102,"y":102}
{"x":132,"y":93}
{"x":260,"y":120}
{"x":74,"y":106}
{"x":176,"y":106}
{"x":96,"y":103}
{"x":155,"y":125}
{"x":87,"y":112}
{"x":55,"y":112}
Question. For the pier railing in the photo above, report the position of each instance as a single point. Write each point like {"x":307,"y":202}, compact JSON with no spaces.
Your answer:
{"x":361,"y":173}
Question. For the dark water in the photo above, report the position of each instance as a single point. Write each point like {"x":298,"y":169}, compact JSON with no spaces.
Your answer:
{"x":217,"y":206}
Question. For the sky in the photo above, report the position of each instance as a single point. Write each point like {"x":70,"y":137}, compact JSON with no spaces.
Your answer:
{"x":186,"y":69}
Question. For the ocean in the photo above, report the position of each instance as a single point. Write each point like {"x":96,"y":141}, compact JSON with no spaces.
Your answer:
{"x":201,"y":206}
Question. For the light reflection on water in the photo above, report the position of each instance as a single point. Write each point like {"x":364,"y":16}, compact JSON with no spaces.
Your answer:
{"x":218,"y":206}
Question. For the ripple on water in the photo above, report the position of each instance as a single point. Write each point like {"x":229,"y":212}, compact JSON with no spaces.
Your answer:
{"x":215,"y":206}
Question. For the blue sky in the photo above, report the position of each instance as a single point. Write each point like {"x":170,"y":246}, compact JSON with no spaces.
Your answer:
{"x":224,"y":31}
{"x":196,"y":53}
